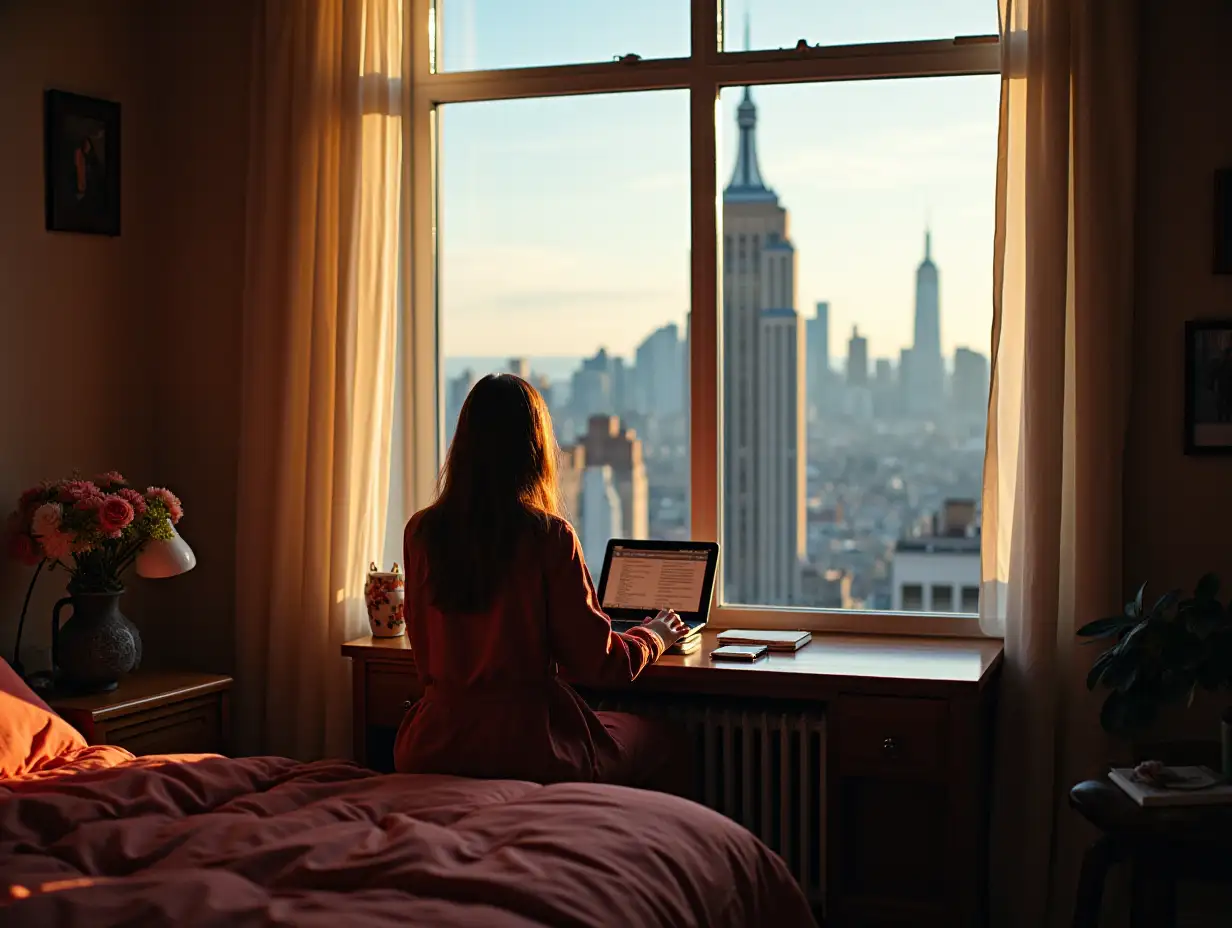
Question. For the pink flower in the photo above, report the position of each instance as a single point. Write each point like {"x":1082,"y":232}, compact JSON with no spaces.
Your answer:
{"x":110,"y":478}
{"x":89,"y":503}
{"x":73,"y":490}
{"x":174,"y":508}
{"x":56,"y":544}
{"x":33,"y":496}
{"x":113,"y":515}
{"x":46,"y":519}
{"x":135,"y":499}
{"x":22,"y":548}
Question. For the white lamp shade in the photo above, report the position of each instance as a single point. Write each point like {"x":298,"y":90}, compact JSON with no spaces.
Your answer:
{"x":165,"y":557}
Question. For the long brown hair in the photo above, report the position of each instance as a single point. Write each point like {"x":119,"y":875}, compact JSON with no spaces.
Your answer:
{"x":498,"y":486}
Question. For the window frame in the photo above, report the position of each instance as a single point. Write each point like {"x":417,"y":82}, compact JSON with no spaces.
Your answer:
{"x":704,"y":74}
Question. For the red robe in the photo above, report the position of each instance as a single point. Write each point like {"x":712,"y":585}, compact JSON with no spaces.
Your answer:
{"x":494,"y":703}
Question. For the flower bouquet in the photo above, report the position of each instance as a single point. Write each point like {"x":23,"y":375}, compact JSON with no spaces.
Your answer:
{"x":95,"y":530}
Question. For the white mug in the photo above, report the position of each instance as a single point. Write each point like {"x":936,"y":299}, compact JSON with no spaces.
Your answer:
{"x":385,"y":596}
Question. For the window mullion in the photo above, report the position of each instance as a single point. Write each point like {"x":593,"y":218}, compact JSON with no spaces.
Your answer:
{"x":703,"y":329}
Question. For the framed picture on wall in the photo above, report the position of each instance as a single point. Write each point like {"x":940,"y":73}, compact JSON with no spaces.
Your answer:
{"x":1208,"y":386}
{"x":1223,"y":221}
{"x":81,"y":163}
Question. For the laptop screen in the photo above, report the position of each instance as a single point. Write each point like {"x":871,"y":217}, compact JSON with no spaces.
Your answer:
{"x":651,"y":580}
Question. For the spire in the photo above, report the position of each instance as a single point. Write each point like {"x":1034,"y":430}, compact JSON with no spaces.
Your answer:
{"x":928,"y":244}
{"x":746,"y":183}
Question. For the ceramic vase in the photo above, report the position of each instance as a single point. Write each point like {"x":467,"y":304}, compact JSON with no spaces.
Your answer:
{"x":385,"y":596}
{"x":96,"y":646}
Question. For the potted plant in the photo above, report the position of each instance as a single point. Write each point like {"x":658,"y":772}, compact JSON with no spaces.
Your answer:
{"x":95,"y":530}
{"x":1163,"y":653}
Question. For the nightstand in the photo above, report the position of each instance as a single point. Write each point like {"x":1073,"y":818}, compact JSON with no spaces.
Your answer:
{"x":154,"y":712}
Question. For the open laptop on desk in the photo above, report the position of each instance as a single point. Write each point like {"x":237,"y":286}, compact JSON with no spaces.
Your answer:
{"x":641,"y":577}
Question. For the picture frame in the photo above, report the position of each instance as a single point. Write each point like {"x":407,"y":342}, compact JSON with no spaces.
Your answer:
{"x":81,"y":163}
{"x":1222,"y":244}
{"x":1208,"y":386}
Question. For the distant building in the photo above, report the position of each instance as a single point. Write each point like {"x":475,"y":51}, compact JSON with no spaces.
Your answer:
{"x":818,"y":386}
{"x":519,"y":367}
{"x":857,"y":359}
{"x":927,"y":375}
{"x":825,"y":589}
{"x":608,"y":444}
{"x":600,"y":516}
{"x":884,"y":389}
{"x":939,"y":571}
{"x":456,"y":392}
{"x":658,"y":387}
{"x":969,"y":386}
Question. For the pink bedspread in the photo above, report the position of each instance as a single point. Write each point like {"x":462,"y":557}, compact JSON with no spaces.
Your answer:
{"x":198,"y":841}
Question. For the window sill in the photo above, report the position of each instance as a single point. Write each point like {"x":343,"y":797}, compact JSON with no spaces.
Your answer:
{"x":848,"y":621}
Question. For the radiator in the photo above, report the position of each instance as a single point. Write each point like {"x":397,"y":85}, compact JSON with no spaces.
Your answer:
{"x":762,"y":765}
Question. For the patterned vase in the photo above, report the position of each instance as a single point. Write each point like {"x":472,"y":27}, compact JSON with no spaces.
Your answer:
{"x":385,"y":595}
{"x":96,"y":646}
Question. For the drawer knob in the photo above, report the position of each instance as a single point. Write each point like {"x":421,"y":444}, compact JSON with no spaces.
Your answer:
{"x":406,"y":705}
{"x":890,"y":746}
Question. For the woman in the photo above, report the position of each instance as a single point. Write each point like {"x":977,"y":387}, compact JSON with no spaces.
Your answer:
{"x":500,"y":605}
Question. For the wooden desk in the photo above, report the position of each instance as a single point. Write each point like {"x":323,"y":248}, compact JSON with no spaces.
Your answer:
{"x":908,"y":756}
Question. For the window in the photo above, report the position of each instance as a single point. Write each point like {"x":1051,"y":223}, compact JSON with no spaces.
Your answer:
{"x":942,"y":598}
{"x":913,"y":597}
{"x":971,"y":600}
{"x":550,"y":270}
{"x":768,"y":272}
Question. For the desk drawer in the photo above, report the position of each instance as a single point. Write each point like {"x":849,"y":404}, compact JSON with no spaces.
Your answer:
{"x":390,"y":689}
{"x":892,"y":734}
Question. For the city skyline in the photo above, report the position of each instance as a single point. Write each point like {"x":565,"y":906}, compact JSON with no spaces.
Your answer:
{"x":565,"y":221}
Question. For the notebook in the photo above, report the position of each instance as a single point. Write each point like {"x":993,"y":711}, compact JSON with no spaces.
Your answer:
{"x":1198,"y":786}
{"x":774,"y":640}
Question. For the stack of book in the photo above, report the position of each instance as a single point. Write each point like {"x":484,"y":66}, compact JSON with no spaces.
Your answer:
{"x":774,"y":640}
{"x":1186,"y":786}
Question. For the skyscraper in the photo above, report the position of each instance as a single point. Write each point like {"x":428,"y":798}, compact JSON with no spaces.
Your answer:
{"x":857,"y":359}
{"x":609,"y":445}
{"x":818,"y":375}
{"x":763,"y":386}
{"x":658,"y":387}
{"x":927,"y":372}
{"x":969,"y":388}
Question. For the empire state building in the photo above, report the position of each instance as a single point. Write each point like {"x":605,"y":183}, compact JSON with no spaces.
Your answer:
{"x":763,"y":387}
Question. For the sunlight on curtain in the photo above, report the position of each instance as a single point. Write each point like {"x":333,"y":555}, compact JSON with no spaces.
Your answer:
{"x":324,"y":194}
{"x":1058,"y":411}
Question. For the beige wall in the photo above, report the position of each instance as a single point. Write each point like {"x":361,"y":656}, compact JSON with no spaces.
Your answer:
{"x":1177,"y":508}
{"x":123,"y":352}
{"x":75,"y":384}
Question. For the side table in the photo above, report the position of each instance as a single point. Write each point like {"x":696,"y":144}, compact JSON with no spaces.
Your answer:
{"x":154,"y":712}
{"x":1162,"y":845}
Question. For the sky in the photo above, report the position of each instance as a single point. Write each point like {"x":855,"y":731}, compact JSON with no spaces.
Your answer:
{"x":565,"y":221}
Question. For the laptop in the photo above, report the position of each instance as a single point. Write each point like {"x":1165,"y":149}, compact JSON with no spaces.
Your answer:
{"x":641,"y":577}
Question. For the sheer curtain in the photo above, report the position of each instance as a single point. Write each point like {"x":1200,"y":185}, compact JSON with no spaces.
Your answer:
{"x":318,"y":359}
{"x":1063,"y":282}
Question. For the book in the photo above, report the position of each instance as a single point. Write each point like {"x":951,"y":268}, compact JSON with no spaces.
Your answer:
{"x":1193,"y":786}
{"x":774,"y":640}
{"x":686,"y":645}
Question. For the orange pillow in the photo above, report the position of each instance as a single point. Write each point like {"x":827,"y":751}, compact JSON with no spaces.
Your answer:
{"x":30,"y":733}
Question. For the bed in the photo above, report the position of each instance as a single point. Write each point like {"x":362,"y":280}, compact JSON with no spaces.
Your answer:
{"x":93,"y":837}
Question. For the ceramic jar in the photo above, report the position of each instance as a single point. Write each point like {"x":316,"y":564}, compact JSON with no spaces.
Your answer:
{"x":385,"y":596}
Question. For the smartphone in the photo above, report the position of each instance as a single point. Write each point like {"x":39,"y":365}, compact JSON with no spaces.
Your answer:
{"x":739,"y":652}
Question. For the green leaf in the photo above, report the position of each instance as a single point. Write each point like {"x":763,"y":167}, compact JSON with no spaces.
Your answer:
{"x":1102,"y":628}
{"x":1097,"y":668}
{"x":1165,"y":604}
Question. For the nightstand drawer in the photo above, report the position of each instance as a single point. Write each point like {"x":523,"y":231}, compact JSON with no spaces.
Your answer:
{"x":890,"y":734}
{"x":189,"y":727}
{"x":390,"y":691}
{"x":155,"y":712}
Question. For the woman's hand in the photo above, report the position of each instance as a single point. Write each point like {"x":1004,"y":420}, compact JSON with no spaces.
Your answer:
{"x":668,"y":626}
